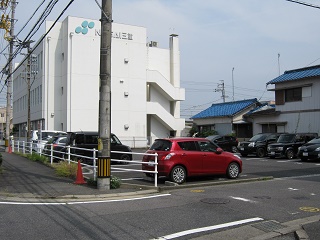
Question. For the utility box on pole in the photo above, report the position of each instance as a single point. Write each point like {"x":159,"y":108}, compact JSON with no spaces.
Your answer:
{"x":104,"y":160}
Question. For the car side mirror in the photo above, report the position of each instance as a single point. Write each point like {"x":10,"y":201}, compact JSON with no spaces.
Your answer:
{"x":219,"y":150}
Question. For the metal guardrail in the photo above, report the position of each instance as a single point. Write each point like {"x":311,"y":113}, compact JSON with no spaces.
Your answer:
{"x":31,"y":147}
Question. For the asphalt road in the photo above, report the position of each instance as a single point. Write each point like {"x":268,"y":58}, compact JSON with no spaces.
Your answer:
{"x":198,"y":212}
{"x":265,"y":205}
{"x":252,"y":168}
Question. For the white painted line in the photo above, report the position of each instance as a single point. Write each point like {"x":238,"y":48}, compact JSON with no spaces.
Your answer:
{"x":293,"y":189}
{"x":285,"y":161}
{"x":303,"y":176}
{"x":86,"y":202}
{"x":243,"y":199}
{"x":210,"y":228}
{"x":128,"y":179}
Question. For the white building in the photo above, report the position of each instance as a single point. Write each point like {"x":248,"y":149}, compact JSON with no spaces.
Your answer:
{"x":64,"y":94}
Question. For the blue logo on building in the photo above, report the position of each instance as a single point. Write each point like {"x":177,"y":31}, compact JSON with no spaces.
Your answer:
{"x":84,"y":28}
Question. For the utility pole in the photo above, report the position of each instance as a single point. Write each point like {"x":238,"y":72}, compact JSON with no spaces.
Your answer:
{"x":104,"y":160}
{"x":9,"y":80}
{"x":221,"y":89}
{"x":30,"y":65}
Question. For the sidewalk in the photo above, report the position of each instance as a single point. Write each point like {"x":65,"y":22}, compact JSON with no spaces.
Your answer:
{"x":23,"y":180}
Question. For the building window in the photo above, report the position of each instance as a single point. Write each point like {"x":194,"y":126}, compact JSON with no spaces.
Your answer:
{"x":293,"y":95}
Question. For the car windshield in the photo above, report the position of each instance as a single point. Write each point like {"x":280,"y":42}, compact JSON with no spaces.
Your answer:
{"x":161,"y":145}
{"x":286,"y":138}
{"x":259,"y":137}
{"x":315,"y":140}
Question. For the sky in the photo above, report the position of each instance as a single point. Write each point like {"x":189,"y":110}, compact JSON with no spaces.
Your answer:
{"x":241,"y":43}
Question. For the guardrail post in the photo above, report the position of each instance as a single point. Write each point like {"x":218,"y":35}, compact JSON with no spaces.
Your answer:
{"x":51,"y":154}
{"x":156,"y":171}
{"x":23,"y":148}
{"x":12,"y":144}
{"x":94,"y":165}
{"x":18,"y":146}
{"x":68,"y":148}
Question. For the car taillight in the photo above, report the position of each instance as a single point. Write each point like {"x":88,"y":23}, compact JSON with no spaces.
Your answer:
{"x":54,"y":145}
{"x":169,"y":156}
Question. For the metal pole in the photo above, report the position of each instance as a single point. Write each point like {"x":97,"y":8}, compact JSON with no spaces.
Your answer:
{"x":104,"y":161}
{"x":29,"y":87}
{"x":9,"y":82}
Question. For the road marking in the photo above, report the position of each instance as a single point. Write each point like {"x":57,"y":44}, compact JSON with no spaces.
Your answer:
{"x":310,"y":209}
{"x":197,"y":190}
{"x":293,"y":189}
{"x":85,"y":202}
{"x":210,"y":228}
{"x":128,"y":179}
{"x":285,"y":161}
{"x":243,"y":199}
{"x":302,"y":176}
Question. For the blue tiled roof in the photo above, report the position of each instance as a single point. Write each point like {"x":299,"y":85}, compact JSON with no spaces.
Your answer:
{"x":297,"y":74}
{"x":225,"y":109}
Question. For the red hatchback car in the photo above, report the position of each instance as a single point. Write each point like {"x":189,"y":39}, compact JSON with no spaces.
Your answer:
{"x":179,"y":158}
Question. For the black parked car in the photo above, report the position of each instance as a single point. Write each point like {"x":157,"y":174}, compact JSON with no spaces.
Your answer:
{"x":58,"y":144}
{"x":227,"y":143}
{"x":82,"y":142}
{"x":310,"y":150}
{"x":288,"y":144}
{"x":258,"y":144}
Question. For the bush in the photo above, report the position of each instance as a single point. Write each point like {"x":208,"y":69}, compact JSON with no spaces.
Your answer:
{"x":37,"y":158}
{"x":64,"y":169}
{"x":115,"y":182}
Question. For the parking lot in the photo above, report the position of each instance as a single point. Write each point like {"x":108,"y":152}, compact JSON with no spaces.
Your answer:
{"x":253,"y":169}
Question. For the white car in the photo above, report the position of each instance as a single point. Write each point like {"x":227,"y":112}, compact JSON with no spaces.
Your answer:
{"x":40,"y":138}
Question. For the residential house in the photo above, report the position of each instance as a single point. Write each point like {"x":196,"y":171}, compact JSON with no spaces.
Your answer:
{"x":297,"y":103}
{"x":227,"y":118}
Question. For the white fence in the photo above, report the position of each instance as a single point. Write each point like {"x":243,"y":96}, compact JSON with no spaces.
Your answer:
{"x":30,"y":147}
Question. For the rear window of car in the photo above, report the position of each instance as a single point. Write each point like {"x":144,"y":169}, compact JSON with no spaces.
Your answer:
{"x":286,"y":138}
{"x":188,"y":146}
{"x":161,"y":145}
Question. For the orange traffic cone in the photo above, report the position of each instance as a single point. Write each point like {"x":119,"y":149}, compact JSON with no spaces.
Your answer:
{"x":79,"y":179}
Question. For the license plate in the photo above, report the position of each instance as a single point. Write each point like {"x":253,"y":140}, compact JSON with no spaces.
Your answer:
{"x":305,"y":154}
{"x":273,"y":153}
{"x":151,"y":164}
{"x":242,"y":149}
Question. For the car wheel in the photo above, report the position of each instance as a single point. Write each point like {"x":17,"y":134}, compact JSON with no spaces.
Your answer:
{"x":234,"y":149}
{"x":178,"y":174}
{"x":125,"y":157}
{"x":290,"y":154}
{"x":244,"y":154}
{"x":233,"y":170}
{"x":261,"y":152}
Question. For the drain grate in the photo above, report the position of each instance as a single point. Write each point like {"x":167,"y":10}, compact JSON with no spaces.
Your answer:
{"x":268,"y":226}
{"x":215,"y":200}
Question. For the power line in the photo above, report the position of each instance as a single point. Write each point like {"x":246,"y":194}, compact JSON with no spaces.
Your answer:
{"x":304,"y":3}
{"x":41,"y":39}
